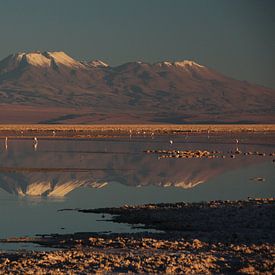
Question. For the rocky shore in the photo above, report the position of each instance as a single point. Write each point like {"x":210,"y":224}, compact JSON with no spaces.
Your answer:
{"x":242,"y":221}
{"x":213,"y":237}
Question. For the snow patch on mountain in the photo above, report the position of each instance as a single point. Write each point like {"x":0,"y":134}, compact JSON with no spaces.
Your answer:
{"x":62,"y":58}
{"x":98,"y":63}
{"x":18,"y":56}
{"x":186,"y":63}
{"x":164,"y":63}
{"x":183,"y":64}
{"x":37,"y":59}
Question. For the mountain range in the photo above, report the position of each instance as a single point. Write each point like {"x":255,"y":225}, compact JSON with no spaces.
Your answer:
{"x":52,"y":87}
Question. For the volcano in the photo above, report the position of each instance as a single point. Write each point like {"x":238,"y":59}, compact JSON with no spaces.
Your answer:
{"x":52,"y":87}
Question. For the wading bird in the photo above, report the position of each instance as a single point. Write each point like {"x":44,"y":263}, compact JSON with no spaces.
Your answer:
{"x":35,"y":143}
{"x":6,"y":143}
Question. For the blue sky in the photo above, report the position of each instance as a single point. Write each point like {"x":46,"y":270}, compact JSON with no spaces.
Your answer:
{"x":235,"y":37}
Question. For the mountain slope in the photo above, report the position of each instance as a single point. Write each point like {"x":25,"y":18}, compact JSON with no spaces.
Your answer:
{"x":175,"y":92}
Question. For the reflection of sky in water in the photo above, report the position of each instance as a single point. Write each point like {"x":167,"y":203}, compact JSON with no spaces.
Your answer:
{"x":123,"y":165}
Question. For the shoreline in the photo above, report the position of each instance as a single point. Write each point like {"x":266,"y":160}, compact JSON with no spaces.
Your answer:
{"x":58,"y":131}
{"x":247,"y":221}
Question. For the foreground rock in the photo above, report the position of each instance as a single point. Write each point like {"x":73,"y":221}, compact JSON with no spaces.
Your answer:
{"x":145,"y":255}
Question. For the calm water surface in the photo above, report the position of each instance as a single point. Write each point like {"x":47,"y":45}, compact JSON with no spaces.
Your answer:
{"x":113,"y":172}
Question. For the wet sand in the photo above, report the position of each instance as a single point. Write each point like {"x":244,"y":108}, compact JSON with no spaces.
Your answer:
{"x":214,"y":237}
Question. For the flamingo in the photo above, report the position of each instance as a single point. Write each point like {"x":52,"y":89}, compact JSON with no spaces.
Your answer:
{"x":6,"y":143}
{"x":237,"y":148}
{"x":35,"y":143}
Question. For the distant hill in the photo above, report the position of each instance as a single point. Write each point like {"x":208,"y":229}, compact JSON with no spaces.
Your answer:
{"x":52,"y":87}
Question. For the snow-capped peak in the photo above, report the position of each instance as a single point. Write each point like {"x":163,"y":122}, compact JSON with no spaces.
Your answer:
{"x":45,"y":59}
{"x":98,"y":63}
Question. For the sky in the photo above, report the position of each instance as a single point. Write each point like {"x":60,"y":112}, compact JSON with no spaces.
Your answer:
{"x":234,"y":37}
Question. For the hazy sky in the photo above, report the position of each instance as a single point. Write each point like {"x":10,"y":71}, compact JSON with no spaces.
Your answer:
{"x":235,"y":37}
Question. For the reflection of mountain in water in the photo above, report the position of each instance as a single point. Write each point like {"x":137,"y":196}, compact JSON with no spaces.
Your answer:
{"x":44,"y":185}
{"x":132,"y":169}
{"x":60,"y":184}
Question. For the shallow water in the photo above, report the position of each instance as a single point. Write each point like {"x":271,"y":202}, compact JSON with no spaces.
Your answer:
{"x":36,"y":182}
